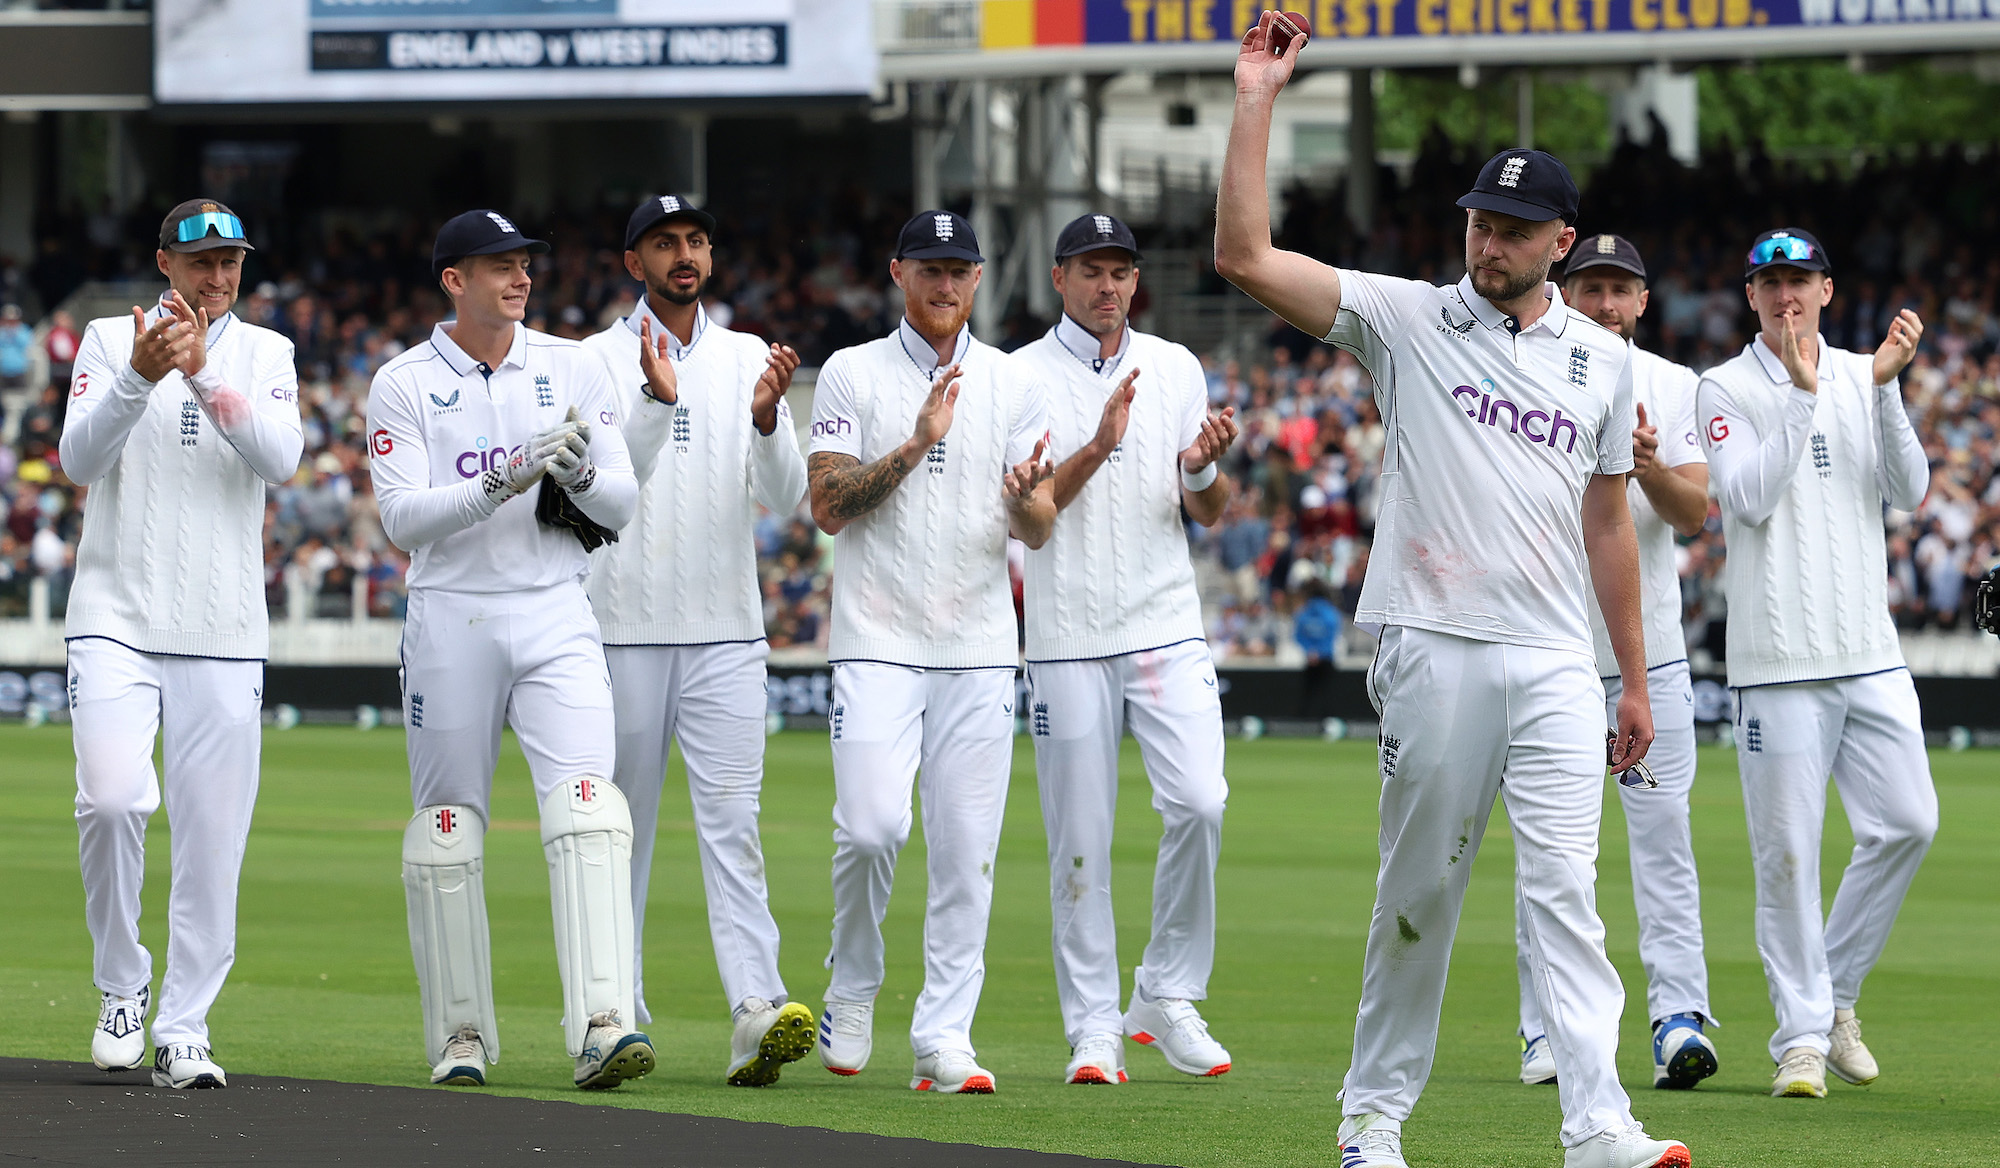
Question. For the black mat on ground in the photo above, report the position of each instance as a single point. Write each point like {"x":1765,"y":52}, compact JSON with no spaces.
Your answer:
{"x":73,"y":1113}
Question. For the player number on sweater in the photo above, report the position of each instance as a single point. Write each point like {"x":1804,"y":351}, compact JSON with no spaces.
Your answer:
{"x":190,"y":423}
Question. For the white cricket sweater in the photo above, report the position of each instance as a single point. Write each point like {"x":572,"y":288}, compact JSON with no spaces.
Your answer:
{"x":1114,"y":577}
{"x":171,"y":560}
{"x":1802,"y":478}
{"x":922,"y":579}
{"x":684,"y":571}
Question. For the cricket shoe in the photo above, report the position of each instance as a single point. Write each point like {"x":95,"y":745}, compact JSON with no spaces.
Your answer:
{"x":1175,"y":1028}
{"x":1630,"y":1148}
{"x":611,"y":1053}
{"x":1099,"y":1058}
{"x":464,"y":1061}
{"x":1538,"y":1060}
{"x":1847,"y":1056}
{"x":1371,"y":1141}
{"x":1801,"y":1075}
{"x":119,"y":1042}
{"x":846,"y":1036}
{"x":953,"y":1072}
{"x":1682,"y":1054}
{"x":184,"y":1066}
{"x":767,"y":1037}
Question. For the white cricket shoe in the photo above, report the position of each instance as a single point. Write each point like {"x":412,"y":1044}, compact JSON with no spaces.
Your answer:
{"x":953,"y":1072}
{"x":1801,"y":1075}
{"x":1848,"y":1056}
{"x":1371,"y":1141}
{"x":1682,"y":1053}
{"x":846,"y":1036}
{"x":119,"y":1042}
{"x":1538,"y":1060}
{"x":611,"y":1053}
{"x":1175,"y":1028}
{"x":184,"y":1065}
{"x":1099,"y":1058}
{"x":1631,"y":1148}
{"x":767,"y":1037}
{"x":464,"y":1061}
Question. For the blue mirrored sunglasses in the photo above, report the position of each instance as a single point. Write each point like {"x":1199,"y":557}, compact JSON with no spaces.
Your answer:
{"x":1790,"y":247}
{"x":196,"y":226}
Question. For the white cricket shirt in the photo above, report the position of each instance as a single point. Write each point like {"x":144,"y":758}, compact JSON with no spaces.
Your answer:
{"x":922,"y":579}
{"x":1114,"y":577}
{"x":171,"y":559}
{"x":1667,"y":392}
{"x":1492,"y":433}
{"x":438,"y":420}
{"x":684,"y":572}
{"x":1802,"y":478}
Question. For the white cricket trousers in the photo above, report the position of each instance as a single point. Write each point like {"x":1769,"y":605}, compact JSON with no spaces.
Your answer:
{"x":952,"y":733}
{"x":1665,"y":888}
{"x":1868,"y":731}
{"x":709,"y":698}
{"x":1462,"y":721}
{"x":206,"y":711}
{"x":1079,"y":711}
{"x":474,"y":662}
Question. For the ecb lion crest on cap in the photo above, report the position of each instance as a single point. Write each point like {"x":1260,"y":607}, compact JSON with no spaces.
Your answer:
{"x":669,"y":204}
{"x":1510,"y":173}
{"x":502,"y":222}
{"x":1607,"y":245}
{"x":1103,"y":223}
{"x":942,"y":222}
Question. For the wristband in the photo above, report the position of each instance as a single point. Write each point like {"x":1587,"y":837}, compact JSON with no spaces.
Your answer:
{"x":1200,"y":480}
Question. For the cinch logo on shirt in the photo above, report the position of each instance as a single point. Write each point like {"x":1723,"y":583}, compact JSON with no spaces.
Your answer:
{"x":1518,"y":423}
{"x":470,"y":464}
{"x":831,"y":427}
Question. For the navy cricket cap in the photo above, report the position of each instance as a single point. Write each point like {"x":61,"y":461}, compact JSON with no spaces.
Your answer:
{"x":1604,"y":251}
{"x":1091,"y":232}
{"x":659,"y":209}
{"x":1531,"y":184}
{"x":934,"y":235}
{"x":201,"y":225}
{"x":1786,"y":247}
{"x":480,"y":232}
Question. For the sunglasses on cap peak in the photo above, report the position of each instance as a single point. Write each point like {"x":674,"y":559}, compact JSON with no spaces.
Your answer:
{"x":196,"y":227}
{"x":1781,"y":247}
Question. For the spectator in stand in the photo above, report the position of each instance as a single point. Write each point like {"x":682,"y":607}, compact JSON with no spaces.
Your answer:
{"x":17,"y":341}
{"x":1316,"y":628}
{"x":60,"y":345}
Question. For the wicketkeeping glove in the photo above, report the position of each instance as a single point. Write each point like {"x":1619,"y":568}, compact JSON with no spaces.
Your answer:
{"x":514,"y":477}
{"x":569,"y":463}
{"x":554,"y":508}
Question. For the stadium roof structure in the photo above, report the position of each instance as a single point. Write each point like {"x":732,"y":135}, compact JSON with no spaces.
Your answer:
{"x":955,"y":40}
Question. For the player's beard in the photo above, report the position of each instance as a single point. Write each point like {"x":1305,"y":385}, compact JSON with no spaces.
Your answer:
{"x":937,"y":322}
{"x":666,"y":291}
{"x":1502,"y":289}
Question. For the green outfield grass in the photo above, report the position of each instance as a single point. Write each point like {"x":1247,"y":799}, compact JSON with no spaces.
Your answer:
{"x":323,"y":985}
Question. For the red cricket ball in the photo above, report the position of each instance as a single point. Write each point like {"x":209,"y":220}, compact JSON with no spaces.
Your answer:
{"x":1287,"y":26}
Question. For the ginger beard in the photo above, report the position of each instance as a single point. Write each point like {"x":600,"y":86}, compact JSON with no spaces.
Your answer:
{"x":937,"y":294}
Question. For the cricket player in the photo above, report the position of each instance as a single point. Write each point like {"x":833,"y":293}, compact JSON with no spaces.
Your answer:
{"x":678,"y":601}
{"x":460,"y":430}
{"x":1503,"y":489}
{"x":178,"y":417}
{"x":1115,"y":633}
{"x":924,"y":638}
{"x":1807,"y":444}
{"x":1668,"y":494}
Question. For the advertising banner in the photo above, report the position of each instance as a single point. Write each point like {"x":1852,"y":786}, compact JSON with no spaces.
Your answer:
{"x":241,"y":51}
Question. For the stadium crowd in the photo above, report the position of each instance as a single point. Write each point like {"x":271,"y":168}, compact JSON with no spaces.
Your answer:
{"x":1915,"y":231}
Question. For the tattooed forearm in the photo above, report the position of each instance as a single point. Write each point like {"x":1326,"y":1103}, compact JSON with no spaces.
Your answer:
{"x":844,"y":490}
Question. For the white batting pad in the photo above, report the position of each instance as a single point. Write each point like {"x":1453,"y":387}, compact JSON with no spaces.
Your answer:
{"x":443,"y":881}
{"x":587,"y":836}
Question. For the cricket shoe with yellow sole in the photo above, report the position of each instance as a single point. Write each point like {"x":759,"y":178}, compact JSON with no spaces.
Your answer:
{"x":767,"y":1037}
